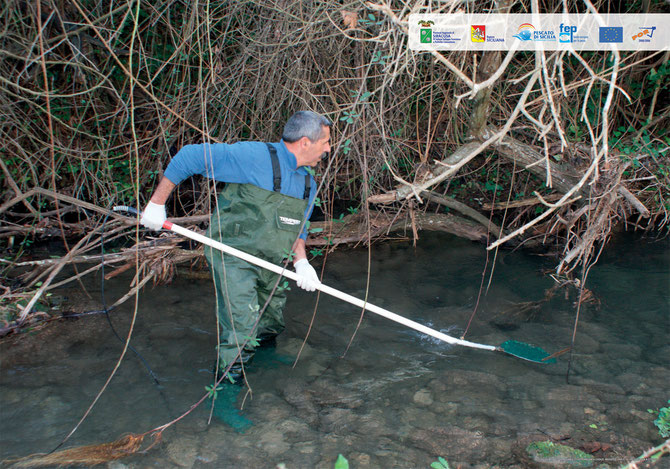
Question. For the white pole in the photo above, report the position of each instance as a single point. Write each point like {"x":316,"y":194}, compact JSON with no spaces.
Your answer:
{"x":324,"y":288}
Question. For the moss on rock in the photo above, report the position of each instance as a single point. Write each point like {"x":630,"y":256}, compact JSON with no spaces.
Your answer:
{"x":548,"y":452}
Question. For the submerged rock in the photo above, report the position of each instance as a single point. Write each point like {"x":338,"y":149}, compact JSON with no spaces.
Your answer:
{"x":272,"y":442}
{"x":327,"y":393}
{"x":116,"y":465}
{"x":468,"y":381}
{"x":550,"y":454}
{"x":295,"y":393}
{"x":659,"y":356}
{"x":292,"y":346}
{"x":375,"y":424}
{"x":360,"y":460}
{"x":627,"y":351}
{"x":269,"y":407}
{"x":183,"y":451}
{"x":336,"y":420}
{"x":315,"y":369}
{"x":423,"y":397}
{"x":452,"y":443}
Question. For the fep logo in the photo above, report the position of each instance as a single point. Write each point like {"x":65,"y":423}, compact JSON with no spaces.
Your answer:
{"x":645,"y":34}
{"x":478,"y":33}
{"x":566,"y":33}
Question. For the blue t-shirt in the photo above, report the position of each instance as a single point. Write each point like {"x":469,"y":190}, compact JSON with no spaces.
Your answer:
{"x":243,"y":163}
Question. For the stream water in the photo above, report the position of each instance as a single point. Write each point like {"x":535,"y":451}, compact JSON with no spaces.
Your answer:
{"x":397,"y":398}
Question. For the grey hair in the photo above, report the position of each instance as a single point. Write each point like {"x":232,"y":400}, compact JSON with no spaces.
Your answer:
{"x":305,"y":124}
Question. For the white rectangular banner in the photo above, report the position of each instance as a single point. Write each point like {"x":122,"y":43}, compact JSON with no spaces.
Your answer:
{"x":464,"y":31}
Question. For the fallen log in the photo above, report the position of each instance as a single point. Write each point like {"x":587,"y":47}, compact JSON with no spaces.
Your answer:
{"x":460,"y":207}
{"x":528,"y":158}
{"x":465,"y":210}
{"x":353,"y":228}
{"x":521,"y":203}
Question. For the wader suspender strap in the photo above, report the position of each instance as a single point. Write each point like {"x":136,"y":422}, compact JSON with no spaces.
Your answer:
{"x":308,"y":187}
{"x":276,"y":174}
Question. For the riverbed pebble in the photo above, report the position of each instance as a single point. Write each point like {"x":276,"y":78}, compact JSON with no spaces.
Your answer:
{"x":293,"y":346}
{"x":423,"y":397}
{"x":451,"y":443}
{"x":117,"y":465}
{"x":182,"y":451}
{"x":272,"y":442}
{"x":375,"y":424}
{"x":360,"y":460}
{"x":334,"y":420}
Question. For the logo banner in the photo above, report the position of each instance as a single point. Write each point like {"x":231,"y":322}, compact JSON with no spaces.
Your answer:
{"x":463,"y":31}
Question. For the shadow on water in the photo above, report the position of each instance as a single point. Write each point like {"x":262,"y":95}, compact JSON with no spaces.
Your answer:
{"x":396,"y":399}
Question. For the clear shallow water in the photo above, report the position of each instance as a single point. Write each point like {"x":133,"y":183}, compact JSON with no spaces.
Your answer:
{"x":396,"y":399}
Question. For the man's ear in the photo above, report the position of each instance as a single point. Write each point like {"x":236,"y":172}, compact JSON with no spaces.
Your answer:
{"x":304,"y":142}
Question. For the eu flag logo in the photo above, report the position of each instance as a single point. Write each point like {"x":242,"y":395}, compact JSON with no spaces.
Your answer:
{"x":609,"y":34}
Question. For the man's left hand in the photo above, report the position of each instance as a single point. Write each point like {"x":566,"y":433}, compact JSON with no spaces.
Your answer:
{"x":308,"y":277}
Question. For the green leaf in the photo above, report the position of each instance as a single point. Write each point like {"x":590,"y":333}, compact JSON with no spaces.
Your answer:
{"x":491,"y":186}
{"x":341,"y":462}
{"x":253,"y":342}
{"x":213,"y":391}
{"x":288,"y":254}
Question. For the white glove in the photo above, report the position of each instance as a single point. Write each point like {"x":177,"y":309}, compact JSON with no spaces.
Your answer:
{"x":308,"y":278}
{"x":153,"y":216}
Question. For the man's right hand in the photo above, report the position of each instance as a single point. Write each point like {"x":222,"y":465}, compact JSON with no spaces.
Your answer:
{"x":153,"y":216}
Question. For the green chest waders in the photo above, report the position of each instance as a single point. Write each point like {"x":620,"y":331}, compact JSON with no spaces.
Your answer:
{"x":265,"y":224}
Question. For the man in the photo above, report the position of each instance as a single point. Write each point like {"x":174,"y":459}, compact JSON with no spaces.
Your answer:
{"x":268,"y":195}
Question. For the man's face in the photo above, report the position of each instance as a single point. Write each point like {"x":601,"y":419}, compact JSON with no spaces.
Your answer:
{"x":315,"y":151}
